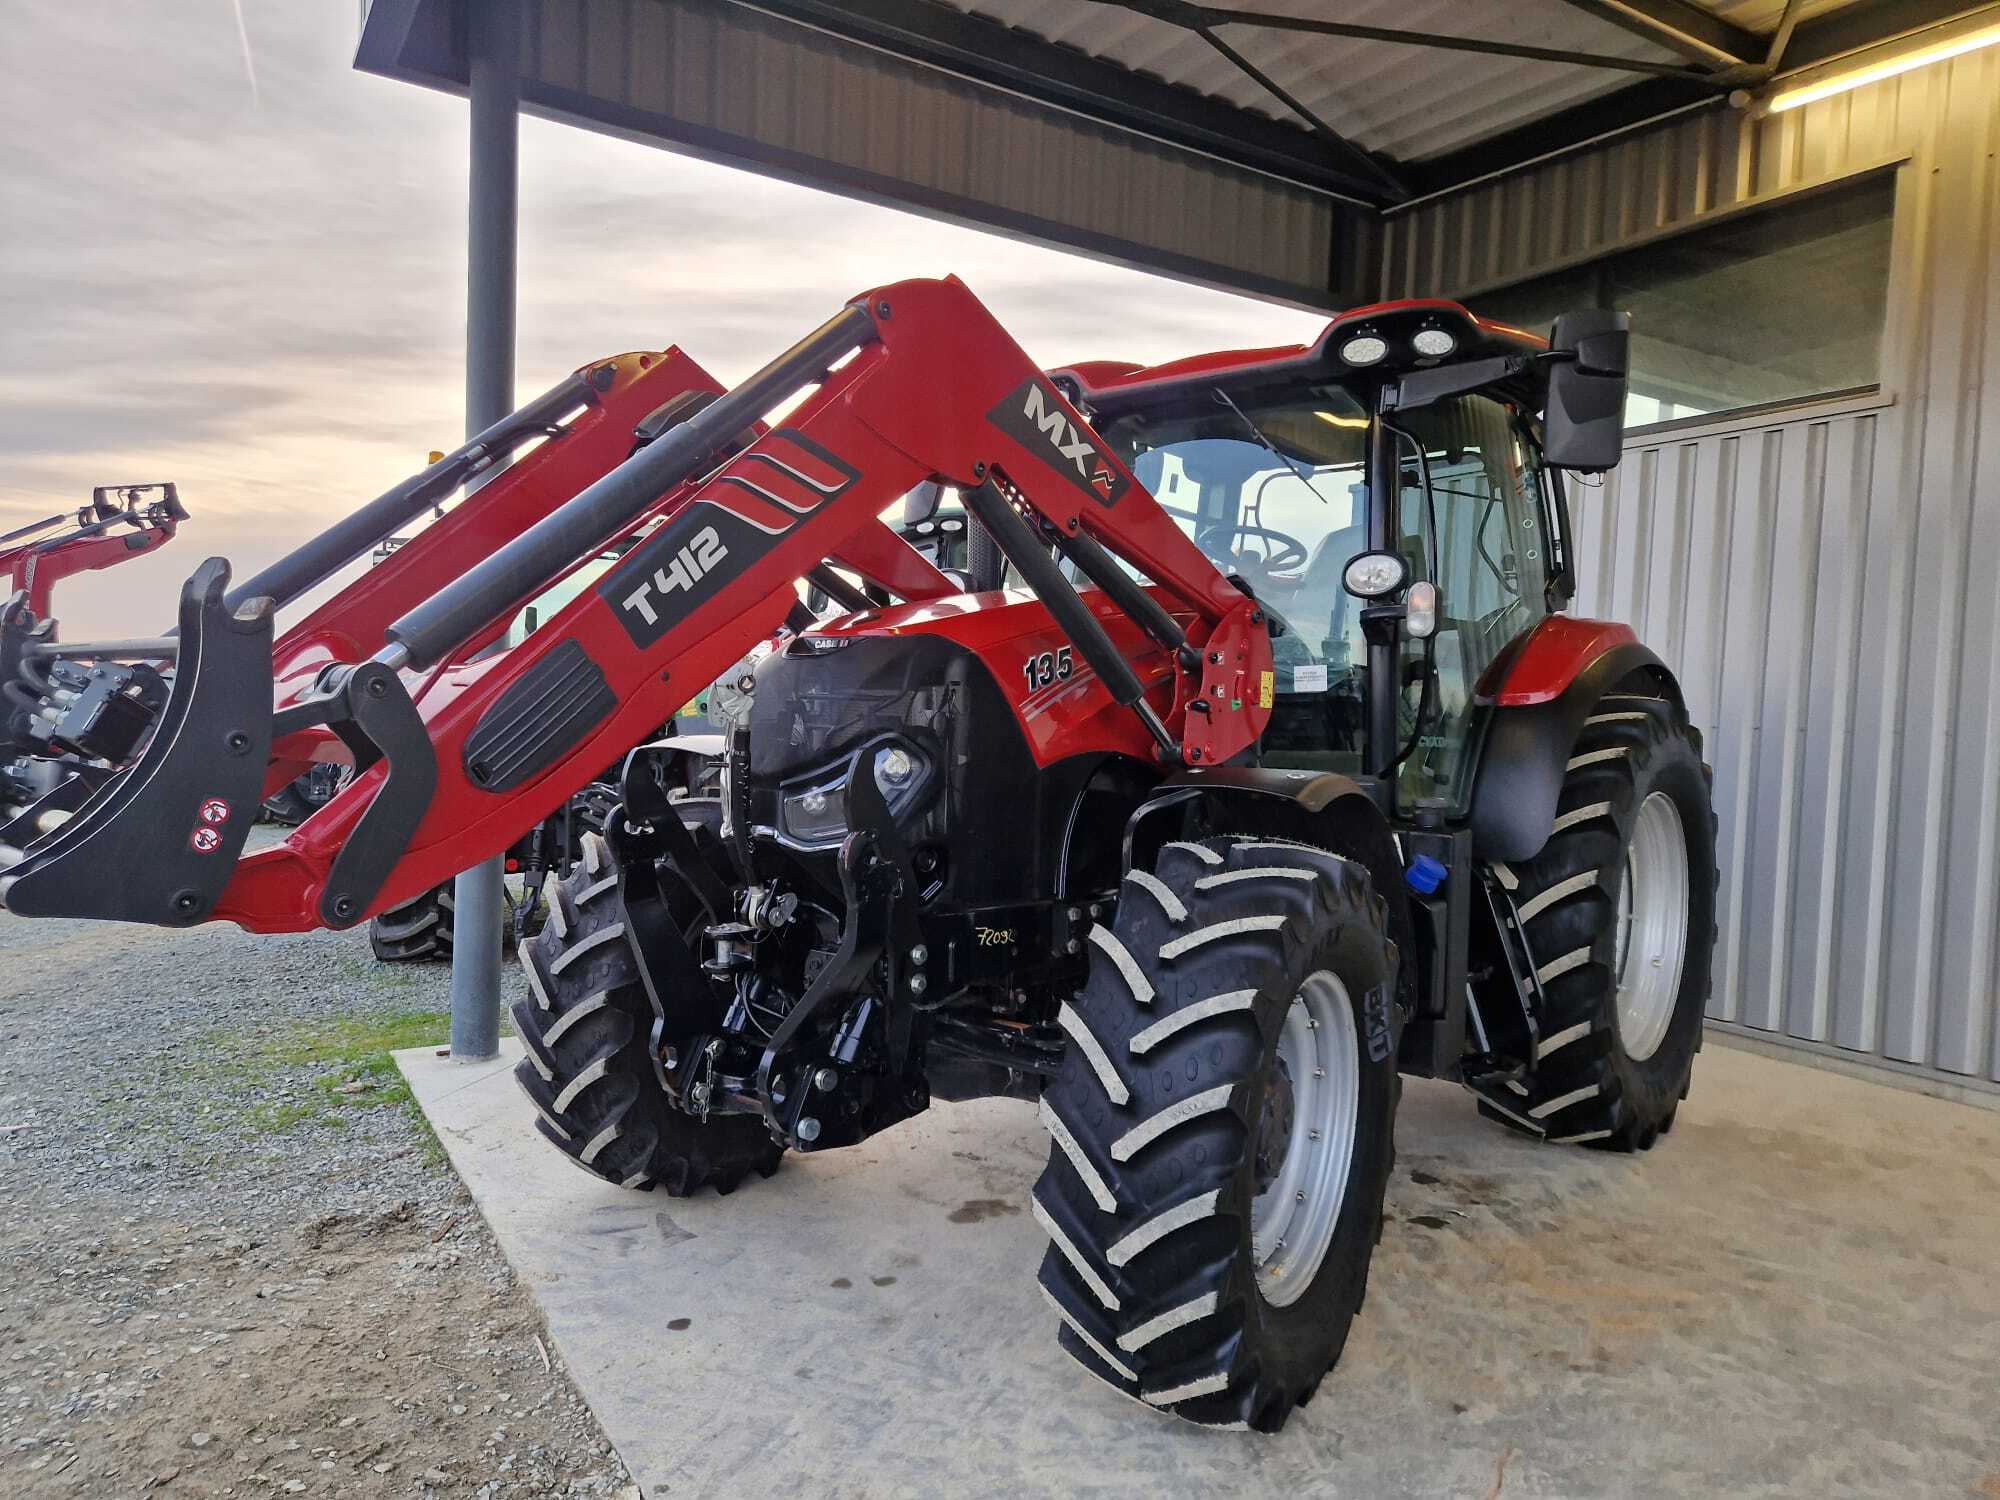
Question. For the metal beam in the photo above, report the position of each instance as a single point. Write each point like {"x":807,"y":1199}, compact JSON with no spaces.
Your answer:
{"x":1341,"y":146}
{"x":493,"y":49}
{"x":1870,"y":23}
{"x":1697,"y":34}
{"x":1441,"y":43}
{"x":1202,"y":20}
{"x":1821,"y":39}
{"x":1781,"y":36}
{"x":986,"y":52}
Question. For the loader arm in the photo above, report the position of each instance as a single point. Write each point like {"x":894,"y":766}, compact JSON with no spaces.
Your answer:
{"x":103,"y":537}
{"x":588,"y":422}
{"x":611,"y":399}
{"x":910,"y":382}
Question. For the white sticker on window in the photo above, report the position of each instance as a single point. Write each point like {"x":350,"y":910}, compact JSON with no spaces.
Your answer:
{"x":1309,"y":679}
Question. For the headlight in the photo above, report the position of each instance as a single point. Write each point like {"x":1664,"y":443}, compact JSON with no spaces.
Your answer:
{"x":1370,"y":575}
{"x":893,"y":769}
{"x":1433,"y":343}
{"x":816,"y":815}
{"x":1364,"y":349}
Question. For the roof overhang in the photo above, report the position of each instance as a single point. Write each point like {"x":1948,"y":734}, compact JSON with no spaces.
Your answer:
{"x":1253,"y":149}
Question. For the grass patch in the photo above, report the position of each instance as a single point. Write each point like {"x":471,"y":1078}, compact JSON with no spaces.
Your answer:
{"x":351,"y":1069}
{"x":362,"y":1041}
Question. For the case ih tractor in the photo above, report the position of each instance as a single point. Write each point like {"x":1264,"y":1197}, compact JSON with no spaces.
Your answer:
{"x":1267,"y":770}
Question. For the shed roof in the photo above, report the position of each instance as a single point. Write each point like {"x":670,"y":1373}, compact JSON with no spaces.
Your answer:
{"x":1249,"y":143}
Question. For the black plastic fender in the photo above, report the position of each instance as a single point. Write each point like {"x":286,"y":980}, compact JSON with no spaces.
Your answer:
{"x":1322,"y":808}
{"x":1526,"y":753}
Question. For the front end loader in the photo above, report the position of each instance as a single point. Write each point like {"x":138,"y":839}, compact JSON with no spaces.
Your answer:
{"x":1244,"y":762}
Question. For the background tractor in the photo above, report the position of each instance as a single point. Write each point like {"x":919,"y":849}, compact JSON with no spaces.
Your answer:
{"x":1244,"y":763}
{"x":65,"y":717}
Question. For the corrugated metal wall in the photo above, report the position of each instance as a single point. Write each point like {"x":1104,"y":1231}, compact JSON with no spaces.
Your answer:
{"x":1827,"y":581}
{"x":746,"y":88}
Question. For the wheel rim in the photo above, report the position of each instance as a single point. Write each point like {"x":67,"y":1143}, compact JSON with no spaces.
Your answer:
{"x":1652,"y":926}
{"x":1309,"y":1145}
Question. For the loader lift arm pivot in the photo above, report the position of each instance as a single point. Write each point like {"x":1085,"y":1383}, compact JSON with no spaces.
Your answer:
{"x":910,"y":382}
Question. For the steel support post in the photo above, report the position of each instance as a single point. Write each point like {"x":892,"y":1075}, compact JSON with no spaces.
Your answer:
{"x":491,"y":230}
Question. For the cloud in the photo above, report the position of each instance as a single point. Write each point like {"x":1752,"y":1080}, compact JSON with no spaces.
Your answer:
{"x":262,"y":298}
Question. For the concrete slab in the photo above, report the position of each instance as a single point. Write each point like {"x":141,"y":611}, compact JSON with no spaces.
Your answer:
{"x":1796,"y":1293}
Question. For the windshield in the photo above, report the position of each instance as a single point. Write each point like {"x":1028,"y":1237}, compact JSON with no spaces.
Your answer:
{"x":1272,"y":487}
{"x":1286,"y":521}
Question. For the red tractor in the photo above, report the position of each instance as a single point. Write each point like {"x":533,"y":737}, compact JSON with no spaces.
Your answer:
{"x":1256,"y":767}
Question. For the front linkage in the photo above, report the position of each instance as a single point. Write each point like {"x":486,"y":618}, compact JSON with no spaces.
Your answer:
{"x":856,"y":1048}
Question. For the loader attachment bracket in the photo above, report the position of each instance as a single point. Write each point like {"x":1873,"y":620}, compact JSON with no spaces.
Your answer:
{"x":367,"y":706}
{"x":159,"y":843}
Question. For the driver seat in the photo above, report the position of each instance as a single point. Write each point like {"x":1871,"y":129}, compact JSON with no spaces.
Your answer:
{"x":1321,"y":598}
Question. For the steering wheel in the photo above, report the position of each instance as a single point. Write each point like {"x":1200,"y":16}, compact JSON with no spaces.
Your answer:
{"x":1287,"y":551}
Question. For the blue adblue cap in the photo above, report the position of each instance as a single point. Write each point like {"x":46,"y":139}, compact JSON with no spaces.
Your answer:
{"x":1425,"y":874}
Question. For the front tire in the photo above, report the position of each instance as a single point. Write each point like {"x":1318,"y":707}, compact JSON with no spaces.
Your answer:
{"x":1619,"y":911}
{"x":587,"y":1069}
{"x":1214,"y":1188}
{"x":418,"y":931}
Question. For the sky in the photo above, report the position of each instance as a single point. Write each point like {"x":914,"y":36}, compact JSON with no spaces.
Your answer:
{"x":229,"y":260}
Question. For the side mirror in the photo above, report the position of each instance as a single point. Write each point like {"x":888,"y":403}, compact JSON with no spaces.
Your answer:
{"x":1584,"y":422}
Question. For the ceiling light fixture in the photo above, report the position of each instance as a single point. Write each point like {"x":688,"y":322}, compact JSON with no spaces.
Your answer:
{"x":1884,"y":67}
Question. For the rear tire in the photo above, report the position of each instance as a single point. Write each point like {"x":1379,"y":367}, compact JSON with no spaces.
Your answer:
{"x":1182,"y":1157}
{"x":587,"y":1069}
{"x":1622,"y":1018}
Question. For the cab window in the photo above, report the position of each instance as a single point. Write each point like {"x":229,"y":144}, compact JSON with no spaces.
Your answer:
{"x":1274,"y":491}
{"x":1480,"y":533}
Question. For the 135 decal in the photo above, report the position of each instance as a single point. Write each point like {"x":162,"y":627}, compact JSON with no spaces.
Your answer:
{"x":1048,"y":667}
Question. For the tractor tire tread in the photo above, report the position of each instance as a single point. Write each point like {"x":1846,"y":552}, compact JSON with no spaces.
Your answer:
{"x":1582,"y":1089}
{"x":1156,"y":1291}
{"x":585,"y":1031}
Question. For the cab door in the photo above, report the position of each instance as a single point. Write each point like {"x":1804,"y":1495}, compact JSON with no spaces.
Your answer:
{"x":1474,"y":508}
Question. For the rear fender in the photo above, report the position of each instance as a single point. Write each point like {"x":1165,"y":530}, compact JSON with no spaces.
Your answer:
{"x":1531,"y":727}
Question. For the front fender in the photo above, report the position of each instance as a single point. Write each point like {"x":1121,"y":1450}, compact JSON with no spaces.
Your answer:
{"x":1320,"y":808}
{"x":1531,"y":728}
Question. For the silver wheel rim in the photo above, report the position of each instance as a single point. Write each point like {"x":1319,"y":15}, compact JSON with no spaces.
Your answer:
{"x":1293,"y":1219}
{"x":1652,"y":926}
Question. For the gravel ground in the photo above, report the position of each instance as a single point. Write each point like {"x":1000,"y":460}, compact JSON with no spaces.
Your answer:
{"x":232,"y":1259}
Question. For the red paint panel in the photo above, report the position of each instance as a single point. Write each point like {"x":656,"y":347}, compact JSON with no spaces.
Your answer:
{"x":1006,"y":629}
{"x":1549,"y":660}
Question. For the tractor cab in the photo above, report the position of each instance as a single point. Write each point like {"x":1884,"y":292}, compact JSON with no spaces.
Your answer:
{"x":1386,"y":495}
